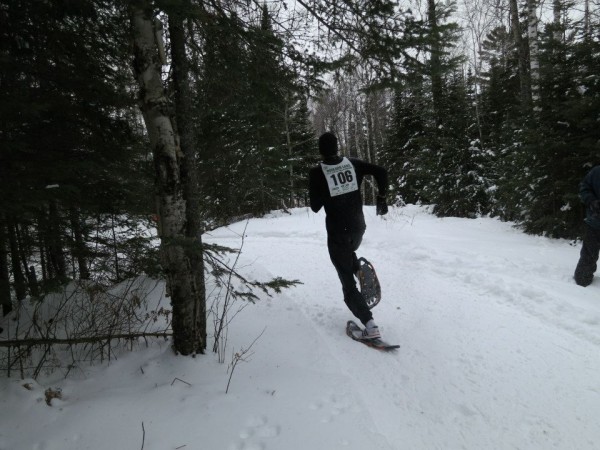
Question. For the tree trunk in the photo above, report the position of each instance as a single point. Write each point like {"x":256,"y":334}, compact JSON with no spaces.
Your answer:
{"x":186,"y":299}
{"x":521,"y":55}
{"x":5,"y":300}
{"x":17,"y":270}
{"x":534,"y":60}
{"x":435,"y":63}
{"x":288,"y":143}
{"x":369,"y":113}
{"x":115,"y":249}
{"x":189,"y":170}
{"x":32,"y":281}
{"x":24,"y":245}
{"x":79,"y":248}
{"x":41,"y":242}
{"x":587,"y":28}
{"x":54,"y":244}
{"x":557,"y":12}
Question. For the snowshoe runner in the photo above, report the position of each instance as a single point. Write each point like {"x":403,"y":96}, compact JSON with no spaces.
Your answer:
{"x":334,"y":185}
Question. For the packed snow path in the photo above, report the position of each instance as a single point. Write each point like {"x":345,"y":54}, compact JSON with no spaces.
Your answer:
{"x":500,"y":349}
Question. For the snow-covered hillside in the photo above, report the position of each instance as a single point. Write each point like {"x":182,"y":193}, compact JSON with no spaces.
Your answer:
{"x":499,"y":350}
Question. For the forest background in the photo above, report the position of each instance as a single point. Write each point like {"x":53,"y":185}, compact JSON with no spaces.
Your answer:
{"x":185,"y":115}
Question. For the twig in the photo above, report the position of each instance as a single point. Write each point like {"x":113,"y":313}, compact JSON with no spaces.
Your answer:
{"x":143,"y":435}
{"x":179,"y":379}
{"x":221,"y":323}
{"x":239,"y":356}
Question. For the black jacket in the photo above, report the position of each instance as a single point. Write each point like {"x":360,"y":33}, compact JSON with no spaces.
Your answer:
{"x":344,"y":212}
{"x":589,"y":190}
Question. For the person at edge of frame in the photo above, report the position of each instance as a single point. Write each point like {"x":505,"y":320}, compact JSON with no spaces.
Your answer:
{"x":589,"y":192}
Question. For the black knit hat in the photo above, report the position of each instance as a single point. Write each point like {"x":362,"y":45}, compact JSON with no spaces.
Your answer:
{"x":328,"y":144}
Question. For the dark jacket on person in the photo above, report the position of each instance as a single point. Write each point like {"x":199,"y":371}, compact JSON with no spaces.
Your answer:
{"x":589,"y":190}
{"x":344,"y":212}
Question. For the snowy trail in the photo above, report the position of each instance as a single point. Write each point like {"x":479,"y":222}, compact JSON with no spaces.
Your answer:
{"x":499,"y":350}
{"x":316,"y":319}
{"x":486,"y":328}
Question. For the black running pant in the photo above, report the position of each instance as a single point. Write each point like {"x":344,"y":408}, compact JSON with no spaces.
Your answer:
{"x":586,"y":267}
{"x":342,"y":248}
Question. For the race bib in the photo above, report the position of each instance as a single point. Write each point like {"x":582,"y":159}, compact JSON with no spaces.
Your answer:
{"x":341,"y":178}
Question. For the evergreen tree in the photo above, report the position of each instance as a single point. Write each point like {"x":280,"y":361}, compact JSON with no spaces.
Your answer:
{"x":501,"y":118}
{"x":223,"y":122}
{"x":301,"y":147}
{"x":403,"y":145}
{"x":253,"y":121}
{"x":459,"y":183}
{"x":500,"y":96}
{"x":563,"y":143}
{"x":548,"y":148}
{"x":69,"y":140}
{"x":269,"y":85}
{"x":437,"y":143}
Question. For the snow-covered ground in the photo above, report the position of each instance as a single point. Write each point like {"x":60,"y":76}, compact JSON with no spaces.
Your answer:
{"x":499,"y":350}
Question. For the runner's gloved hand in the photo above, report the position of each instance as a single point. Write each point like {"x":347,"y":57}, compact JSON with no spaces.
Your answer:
{"x":381,"y":208}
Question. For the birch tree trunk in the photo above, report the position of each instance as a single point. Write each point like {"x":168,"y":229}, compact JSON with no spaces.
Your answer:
{"x":187,"y":302}
{"x":534,"y":59}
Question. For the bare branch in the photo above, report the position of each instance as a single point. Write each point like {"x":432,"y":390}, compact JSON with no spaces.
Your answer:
{"x":79,"y":340}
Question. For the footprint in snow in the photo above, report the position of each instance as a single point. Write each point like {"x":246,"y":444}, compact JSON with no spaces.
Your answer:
{"x":256,"y":429}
